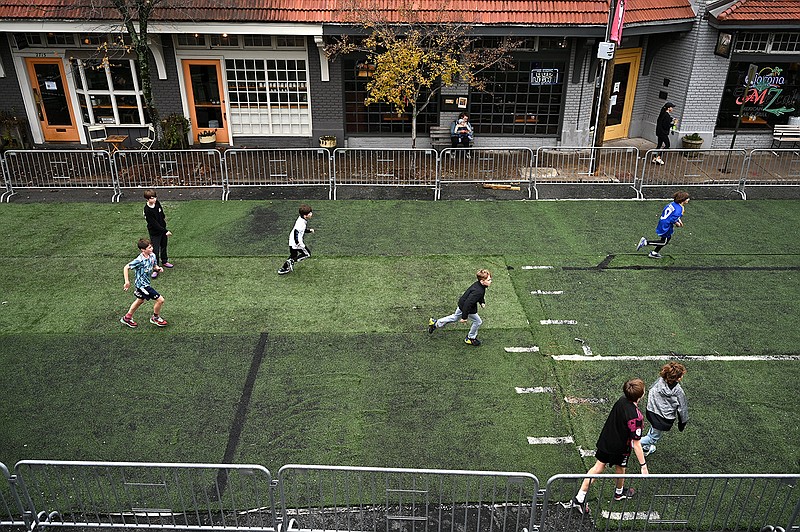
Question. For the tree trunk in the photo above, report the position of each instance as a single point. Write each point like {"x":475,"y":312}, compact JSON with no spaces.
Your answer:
{"x":414,"y":125}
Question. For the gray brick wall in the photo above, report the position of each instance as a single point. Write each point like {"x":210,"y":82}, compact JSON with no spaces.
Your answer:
{"x":578,"y":105}
{"x":11,"y":102}
{"x":166,"y":92}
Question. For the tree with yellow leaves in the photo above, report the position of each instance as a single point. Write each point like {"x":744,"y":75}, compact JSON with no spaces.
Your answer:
{"x":413,"y":60}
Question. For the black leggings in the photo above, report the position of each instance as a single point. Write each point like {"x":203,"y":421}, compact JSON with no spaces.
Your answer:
{"x":663,"y":140}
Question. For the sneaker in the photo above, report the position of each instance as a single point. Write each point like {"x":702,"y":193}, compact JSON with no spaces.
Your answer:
{"x":583,"y":507}
{"x":658,"y":160}
{"x":654,"y":255}
{"x":154,"y":274}
{"x":129,"y":322}
{"x":168,"y":265}
{"x":472,"y":341}
{"x":642,"y":243}
{"x":627,"y":493}
{"x":650,"y":450}
{"x":158,"y":320}
{"x":283,"y":271}
{"x":431,"y":325}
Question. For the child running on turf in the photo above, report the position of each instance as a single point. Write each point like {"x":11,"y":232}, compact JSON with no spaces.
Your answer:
{"x":621,"y":433}
{"x":665,"y":403}
{"x":670,"y":218}
{"x":143,"y":267}
{"x":157,"y":228}
{"x":468,"y":306}
{"x":298,"y":251}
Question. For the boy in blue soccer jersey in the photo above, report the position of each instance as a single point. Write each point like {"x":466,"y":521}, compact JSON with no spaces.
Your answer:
{"x":143,"y":267}
{"x":670,"y":218}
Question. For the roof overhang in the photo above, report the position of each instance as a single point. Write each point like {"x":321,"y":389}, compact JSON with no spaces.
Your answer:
{"x":240,"y":28}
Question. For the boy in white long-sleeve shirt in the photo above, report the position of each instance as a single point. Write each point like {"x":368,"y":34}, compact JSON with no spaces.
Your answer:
{"x":298,"y":250}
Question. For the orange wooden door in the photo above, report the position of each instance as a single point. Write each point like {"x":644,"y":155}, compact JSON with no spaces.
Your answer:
{"x":53,"y":101}
{"x":206,"y":97}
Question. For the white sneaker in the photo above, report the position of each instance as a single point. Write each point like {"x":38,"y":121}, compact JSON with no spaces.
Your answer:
{"x":651,"y":450}
{"x":654,"y":255}
{"x":642,"y":243}
{"x":657,"y":160}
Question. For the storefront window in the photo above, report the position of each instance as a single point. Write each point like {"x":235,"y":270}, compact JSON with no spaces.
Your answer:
{"x":525,"y":100}
{"x":377,"y":117}
{"x":771,"y":98}
{"x":108,"y":92}
{"x":269,"y":96}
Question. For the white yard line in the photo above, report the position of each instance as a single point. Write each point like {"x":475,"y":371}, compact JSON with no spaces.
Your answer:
{"x":537,"y":389}
{"x":531,"y":349}
{"x":546,"y":292}
{"x":558,"y":322}
{"x":631,"y":516}
{"x":537,"y":267}
{"x":732,"y":358}
{"x":550,"y":441}
{"x":584,"y":401}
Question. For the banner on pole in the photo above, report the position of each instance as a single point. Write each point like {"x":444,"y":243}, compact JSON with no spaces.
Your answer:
{"x":616,"y":26}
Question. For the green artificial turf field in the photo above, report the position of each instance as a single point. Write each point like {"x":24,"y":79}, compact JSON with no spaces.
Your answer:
{"x":333,"y":364}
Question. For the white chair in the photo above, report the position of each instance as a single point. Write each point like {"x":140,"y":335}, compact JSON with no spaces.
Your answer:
{"x":97,"y":134}
{"x":147,"y":142}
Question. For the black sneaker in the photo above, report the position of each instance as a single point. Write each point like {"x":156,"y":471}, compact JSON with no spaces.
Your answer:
{"x":431,"y":325}
{"x":627,"y":493}
{"x":472,"y":341}
{"x":583,"y":507}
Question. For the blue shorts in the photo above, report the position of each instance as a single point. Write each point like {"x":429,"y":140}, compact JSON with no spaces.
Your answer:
{"x":146,"y":292}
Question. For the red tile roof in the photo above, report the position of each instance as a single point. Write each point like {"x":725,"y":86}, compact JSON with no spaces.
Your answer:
{"x":490,"y":12}
{"x":758,"y":12}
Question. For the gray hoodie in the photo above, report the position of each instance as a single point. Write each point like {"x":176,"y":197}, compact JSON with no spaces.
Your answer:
{"x":667,"y":404}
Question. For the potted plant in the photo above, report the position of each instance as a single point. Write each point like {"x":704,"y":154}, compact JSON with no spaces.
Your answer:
{"x":176,"y":131}
{"x":327,"y":141}
{"x":692,"y":142}
{"x":207,"y":136}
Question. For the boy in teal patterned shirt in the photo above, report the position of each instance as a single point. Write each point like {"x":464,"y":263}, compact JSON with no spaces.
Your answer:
{"x":143,"y":267}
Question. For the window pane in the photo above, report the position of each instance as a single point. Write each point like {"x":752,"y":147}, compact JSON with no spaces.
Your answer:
{"x":121,"y":76}
{"x":770,"y":99}
{"x":103,"y":112}
{"x":95,"y":75}
{"x":128,"y":109}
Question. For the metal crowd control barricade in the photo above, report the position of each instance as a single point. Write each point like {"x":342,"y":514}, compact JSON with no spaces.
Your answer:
{"x":578,"y":165}
{"x":376,"y":499}
{"x":491,"y":166}
{"x":12,"y":512}
{"x":169,"y":169}
{"x":384,"y":168}
{"x":773,"y":167}
{"x":58,"y":169}
{"x":158,"y":496}
{"x":285,"y":167}
{"x":694,"y":168}
{"x":675,"y":502}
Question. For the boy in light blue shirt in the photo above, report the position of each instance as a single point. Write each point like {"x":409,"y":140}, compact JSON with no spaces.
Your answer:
{"x":143,"y":267}
{"x":670,"y":218}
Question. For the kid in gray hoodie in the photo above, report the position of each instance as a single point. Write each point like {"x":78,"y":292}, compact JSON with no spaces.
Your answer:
{"x":665,"y":403}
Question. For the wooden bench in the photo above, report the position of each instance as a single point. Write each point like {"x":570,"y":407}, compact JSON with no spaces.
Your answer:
{"x":785,"y":133}
{"x":440,"y":137}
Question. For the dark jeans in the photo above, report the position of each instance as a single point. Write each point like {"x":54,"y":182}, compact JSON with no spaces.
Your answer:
{"x":461,"y":141}
{"x":160,"y":247}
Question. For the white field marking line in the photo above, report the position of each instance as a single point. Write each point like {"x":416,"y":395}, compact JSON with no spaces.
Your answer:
{"x":631,"y":516}
{"x":585,"y":453}
{"x":537,"y":389}
{"x":732,"y":358}
{"x":550,"y":441}
{"x":558,"y":322}
{"x":537,"y":267}
{"x":546,"y":292}
{"x":531,"y":349}
{"x":583,"y":400}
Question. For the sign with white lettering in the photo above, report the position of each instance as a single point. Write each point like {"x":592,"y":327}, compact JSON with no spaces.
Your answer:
{"x":544,"y":76}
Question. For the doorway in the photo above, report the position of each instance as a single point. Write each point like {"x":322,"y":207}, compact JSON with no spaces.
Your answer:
{"x":52,"y":99}
{"x":623,"y":90}
{"x":206,"y":97}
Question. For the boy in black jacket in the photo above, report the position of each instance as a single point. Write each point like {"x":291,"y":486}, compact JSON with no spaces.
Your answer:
{"x":468,"y":306}
{"x":157,"y":228}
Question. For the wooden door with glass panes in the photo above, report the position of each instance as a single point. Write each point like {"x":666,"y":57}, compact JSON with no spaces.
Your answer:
{"x":623,"y":89}
{"x":52,"y":99}
{"x":206,"y":97}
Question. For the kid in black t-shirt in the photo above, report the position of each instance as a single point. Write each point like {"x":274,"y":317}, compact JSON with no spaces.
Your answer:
{"x":621,"y":433}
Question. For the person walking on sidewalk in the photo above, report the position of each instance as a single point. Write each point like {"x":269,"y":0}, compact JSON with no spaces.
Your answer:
{"x":468,"y":308}
{"x":664,"y":124}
